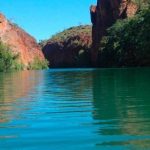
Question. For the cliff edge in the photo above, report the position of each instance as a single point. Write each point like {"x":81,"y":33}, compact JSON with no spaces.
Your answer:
{"x":69,"y":48}
{"x":19,"y":42}
{"x":105,"y":15}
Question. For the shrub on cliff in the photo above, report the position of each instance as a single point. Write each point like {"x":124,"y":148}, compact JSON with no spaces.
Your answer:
{"x":38,"y":64}
{"x":63,"y":49}
{"x":128,"y":42}
{"x":8,"y":60}
{"x":72,"y":32}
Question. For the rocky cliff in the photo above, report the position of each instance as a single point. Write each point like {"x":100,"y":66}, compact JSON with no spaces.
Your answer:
{"x":104,"y":15}
{"x":19,"y":41}
{"x":69,"y":48}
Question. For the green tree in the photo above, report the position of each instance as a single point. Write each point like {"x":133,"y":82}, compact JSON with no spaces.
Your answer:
{"x":127,"y":42}
{"x":8,"y":60}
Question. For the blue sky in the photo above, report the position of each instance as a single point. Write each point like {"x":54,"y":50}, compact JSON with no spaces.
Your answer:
{"x":43,"y":18}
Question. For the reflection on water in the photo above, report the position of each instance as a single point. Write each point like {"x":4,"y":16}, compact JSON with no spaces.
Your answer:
{"x":75,"y":109}
{"x":121,"y":101}
{"x":14,"y":86}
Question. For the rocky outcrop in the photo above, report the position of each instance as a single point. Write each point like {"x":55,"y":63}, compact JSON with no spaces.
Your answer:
{"x":104,"y":15}
{"x":19,"y":41}
{"x":69,"y":48}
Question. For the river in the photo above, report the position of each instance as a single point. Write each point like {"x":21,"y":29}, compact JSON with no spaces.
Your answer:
{"x":75,"y":109}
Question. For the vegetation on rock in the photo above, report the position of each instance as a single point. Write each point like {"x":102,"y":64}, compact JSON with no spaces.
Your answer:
{"x":69,"y":48}
{"x":127,"y":42}
{"x":38,"y":64}
{"x":68,"y":33}
{"x":23,"y":48}
{"x":8,"y":60}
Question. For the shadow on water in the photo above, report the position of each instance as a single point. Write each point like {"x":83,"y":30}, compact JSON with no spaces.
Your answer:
{"x":122,"y":102}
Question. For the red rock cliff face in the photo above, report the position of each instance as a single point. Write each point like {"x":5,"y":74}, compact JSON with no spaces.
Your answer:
{"x":19,"y":41}
{"x":68,"y":48}
{"x":104,"y":15}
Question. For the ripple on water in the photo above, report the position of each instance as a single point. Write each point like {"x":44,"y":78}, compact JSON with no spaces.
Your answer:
{"x":75,"y":109}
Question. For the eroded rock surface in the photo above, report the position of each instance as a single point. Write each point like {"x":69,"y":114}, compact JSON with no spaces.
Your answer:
{"x":69,"y":48}
{"x":104,"y":15}
{"x":19,"y":41}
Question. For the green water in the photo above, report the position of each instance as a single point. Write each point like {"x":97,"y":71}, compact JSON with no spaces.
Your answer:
{"x":75,"y":110}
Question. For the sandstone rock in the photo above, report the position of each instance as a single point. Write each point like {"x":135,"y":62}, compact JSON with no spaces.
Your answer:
{"x":65,"y":49}
{"x":19,"y":41}
{"x":104,"y":15}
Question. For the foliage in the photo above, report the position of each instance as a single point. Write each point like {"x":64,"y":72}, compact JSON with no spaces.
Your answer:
{"x":66,"y":46}
{"x":65,"y":35}
{"x":142,"y":4}
{"x":127,"y":42}
{"x":8,"y":60}
{"x":71,"y":32}
{"x":38,"y":64}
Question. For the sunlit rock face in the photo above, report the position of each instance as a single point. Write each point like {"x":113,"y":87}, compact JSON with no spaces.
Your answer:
{"x":19,"y":41}
{"x":104,"y":15}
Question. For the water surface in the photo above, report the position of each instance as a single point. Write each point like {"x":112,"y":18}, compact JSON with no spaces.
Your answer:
{"x":75,"y":109}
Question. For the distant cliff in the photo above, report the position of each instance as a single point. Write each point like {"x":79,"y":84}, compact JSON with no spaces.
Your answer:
{"x":105,"y":15}
{"x":20,"y":42}
{"x":69,"y":48}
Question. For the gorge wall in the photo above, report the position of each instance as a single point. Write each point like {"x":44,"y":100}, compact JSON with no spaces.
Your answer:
{"x":19,"y":42}
{"x":104,"y":15}
{"x":69,"y":48}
